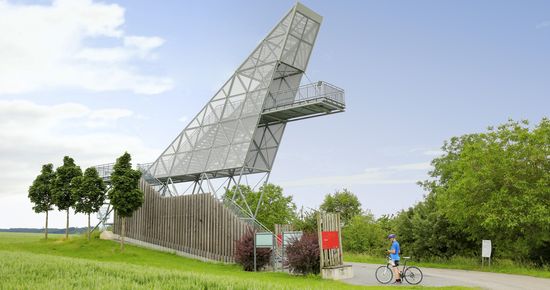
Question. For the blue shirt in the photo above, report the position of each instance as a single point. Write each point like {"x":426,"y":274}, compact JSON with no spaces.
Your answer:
{"x":395,"y":246}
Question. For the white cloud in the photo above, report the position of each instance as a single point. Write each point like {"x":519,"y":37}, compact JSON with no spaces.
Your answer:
{"x":428,"y":151}
{"x":144,"y":44}
{"x":47,"y":46}
{"x":543,"y":24}
{"x":411,"y":166}
{"x":135,"y":47}
{"x":106,"y":117}
{"x":397,"y":174}
{"x":435,"y":152}
{"x":33,"y":134}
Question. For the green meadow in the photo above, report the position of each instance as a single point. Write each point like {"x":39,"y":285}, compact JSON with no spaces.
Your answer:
{"x":30,"y":262}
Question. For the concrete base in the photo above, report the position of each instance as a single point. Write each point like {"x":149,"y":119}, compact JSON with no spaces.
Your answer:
{"x":108,"y":235}
{"x":165,"y":249}
{"x":337,"y":272}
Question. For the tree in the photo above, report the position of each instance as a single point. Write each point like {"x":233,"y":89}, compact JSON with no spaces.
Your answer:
{"x":362,"y":234}
{"x":63,"y":185}
{"x":343,"y":202}
{"x":306,"y":221}
{"x":496,"y":185}
{"x":424,"y":232}
{"x":275,"y":208}
{"x":125,"y":195}
{"x":88,"y":193}
{"x":40,"y":193}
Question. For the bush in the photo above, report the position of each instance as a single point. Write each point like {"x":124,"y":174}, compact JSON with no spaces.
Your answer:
{"x":244,"y":253}
{"x":303,"y":254}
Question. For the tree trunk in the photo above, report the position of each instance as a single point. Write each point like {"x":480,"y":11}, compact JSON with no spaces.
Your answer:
{"x":122,"y":236}
{"x":67,"y":229}
{"x":46,"y":228}
{"x":88,"y":227}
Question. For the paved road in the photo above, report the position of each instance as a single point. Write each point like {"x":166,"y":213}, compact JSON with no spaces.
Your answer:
{"x":364,"y":275}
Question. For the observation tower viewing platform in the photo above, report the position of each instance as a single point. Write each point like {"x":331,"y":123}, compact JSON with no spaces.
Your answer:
{"x":194,"y":201}
{"x":239,"y":130}
{"x":311,"y":100}
{"x":306,"y":101}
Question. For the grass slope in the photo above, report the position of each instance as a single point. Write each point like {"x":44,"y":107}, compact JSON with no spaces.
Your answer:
{"x":498,"y":266}
{"x":29,"y":262}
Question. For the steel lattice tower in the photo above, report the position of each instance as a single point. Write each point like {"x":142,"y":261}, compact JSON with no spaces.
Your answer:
{"x":240,"y":129}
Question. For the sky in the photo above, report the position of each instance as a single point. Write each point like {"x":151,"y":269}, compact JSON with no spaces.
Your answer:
{"x":93,"y":79}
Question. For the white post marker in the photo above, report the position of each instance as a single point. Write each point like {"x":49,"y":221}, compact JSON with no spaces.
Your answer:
{"x":486,"y":251}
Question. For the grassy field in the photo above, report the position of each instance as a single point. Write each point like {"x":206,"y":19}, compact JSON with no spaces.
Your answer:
{"x":498,"y":266}
{"x":29,"y":262}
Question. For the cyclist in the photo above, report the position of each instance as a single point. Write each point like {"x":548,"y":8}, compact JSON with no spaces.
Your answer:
{"x":394,"y":256}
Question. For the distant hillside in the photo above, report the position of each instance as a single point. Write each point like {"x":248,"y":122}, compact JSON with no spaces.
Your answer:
{"x":72,"y":230}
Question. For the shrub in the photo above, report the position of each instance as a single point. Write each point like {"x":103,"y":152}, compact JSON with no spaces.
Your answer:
{"x":303,"y":254}
{"x":244,"y":253}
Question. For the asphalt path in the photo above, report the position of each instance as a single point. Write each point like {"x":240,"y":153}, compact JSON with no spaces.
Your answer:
{"x":364,"y":275}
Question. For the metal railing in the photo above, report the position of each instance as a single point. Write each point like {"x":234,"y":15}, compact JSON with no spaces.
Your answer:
{"x":244,"y":215}
{"x":307,"y":92}
{"x":105,"y":170}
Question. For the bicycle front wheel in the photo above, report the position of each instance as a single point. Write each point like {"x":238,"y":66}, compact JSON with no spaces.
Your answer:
{"x":384,"y":274}
{"x":413,"y":275}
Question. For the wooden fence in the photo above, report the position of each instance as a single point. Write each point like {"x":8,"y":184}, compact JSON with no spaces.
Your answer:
{"x":198,"y":224}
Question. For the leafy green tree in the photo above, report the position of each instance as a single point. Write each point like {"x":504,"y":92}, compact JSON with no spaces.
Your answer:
{"x":403,"y":228}
{"x":63,"y":185}
{"x":275,"y":208}
{"x":386,"y":223}
{"x":40,"y":193}
{"x":496,"y":185}
{"x":344,"y":202}
{"x":88,"y":193}
{"x":125,"y":195}
{"x":363,"y":235}
{"x":306,"y":221}
{"x":424,"y":232}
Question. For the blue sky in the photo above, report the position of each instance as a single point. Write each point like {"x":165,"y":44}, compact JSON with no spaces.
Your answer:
{"x":91,"y":79}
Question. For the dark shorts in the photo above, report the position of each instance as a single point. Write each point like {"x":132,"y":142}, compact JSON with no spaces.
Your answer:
{"x":395,"y":263}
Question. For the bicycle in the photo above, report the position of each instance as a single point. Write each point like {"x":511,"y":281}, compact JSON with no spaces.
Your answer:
{"x":411,"y":274}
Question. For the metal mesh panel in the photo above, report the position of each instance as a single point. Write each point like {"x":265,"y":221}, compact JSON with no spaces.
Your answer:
{"x":298,"y":25}
{"x":290,"y":49}
{"x":311,"y":31}
{"x":219,"y":137}
{"x":302,"y":55}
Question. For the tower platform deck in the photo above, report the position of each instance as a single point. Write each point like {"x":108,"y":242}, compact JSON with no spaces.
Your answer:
{"x":307,"y":101}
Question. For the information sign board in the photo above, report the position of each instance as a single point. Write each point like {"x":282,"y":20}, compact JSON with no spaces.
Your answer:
{"x":289,"y":237}
{"x":264,"y":240}
{"x":330,"y":240}
{"x":486,"y":249}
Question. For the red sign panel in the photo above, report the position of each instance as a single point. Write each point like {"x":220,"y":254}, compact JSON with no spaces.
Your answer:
{"x":330,"y":240}
{"x":280,"y":240}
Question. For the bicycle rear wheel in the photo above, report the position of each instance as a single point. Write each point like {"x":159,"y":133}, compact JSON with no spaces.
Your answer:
{"x":413,"y":275}
{"x":384,"y":274}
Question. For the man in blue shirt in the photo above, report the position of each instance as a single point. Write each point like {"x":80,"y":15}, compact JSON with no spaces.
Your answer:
{"x":394,"y":256}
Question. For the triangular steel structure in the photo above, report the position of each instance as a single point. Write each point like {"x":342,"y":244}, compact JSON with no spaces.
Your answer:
{"x":226,"y":135}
